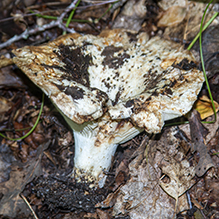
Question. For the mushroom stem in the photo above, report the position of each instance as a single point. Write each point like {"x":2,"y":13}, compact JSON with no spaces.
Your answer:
{"x":95,"y":145}
{"x":90,"y":160}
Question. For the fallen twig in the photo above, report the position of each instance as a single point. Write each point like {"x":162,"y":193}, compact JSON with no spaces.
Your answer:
{"x":52,"y":24}
{"x":29,"y":206}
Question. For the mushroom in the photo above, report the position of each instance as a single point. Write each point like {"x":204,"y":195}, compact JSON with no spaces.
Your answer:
{"x":111,"y":87}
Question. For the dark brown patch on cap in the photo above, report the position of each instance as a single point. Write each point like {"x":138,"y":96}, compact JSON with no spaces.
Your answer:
{"x":153,"y":78}
{"x":110,"y":60}
{"x":148,"y":99}
{"x":136,"y":105}
{"x":121,"y":123}
{"x":76,"y":64}
{"x":172,"y":83}
{"x":129,"y":103}
{"x":100,"y":95}
{"x":118,"y":94}
{"x":75,"y":92}
{"x":132,"y":37}
{"x":167,"y":91}
{"x":155,"y":94}
{"x":185,"y":65}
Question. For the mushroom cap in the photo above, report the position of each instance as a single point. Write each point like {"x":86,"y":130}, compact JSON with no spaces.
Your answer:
{"x":119,"y":72}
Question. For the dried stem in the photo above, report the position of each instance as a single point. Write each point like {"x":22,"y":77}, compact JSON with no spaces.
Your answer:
{"x":29,"y":206}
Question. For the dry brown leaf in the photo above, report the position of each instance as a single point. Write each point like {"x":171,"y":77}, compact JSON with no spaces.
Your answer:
{"x":5,"y":105}
{"x":204,"y":107}
{"x":142,"y":197}
{"x":165,"y":4}
{"x":91,"y":215}
{"x":5,"y":61}
{"x":172,"y":16}
{"x":189,"y":27}
{"x":12,"y":203}
{"x":109,"y":201}
{"x":181,"y":177}
{"x":8,"y":79}
{"x":102,"y":214}
{"x":197,"y":136}
{"x":132,"y":15}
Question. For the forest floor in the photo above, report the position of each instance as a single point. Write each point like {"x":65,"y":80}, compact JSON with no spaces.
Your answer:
{"x":152,"y":176}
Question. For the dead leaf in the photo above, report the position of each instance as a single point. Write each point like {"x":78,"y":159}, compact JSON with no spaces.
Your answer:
{"x":196,"y":129}
{"x":109,"y":201}
{"x":5,"y":105}
{"x":132,"y":15}
{"x":49,"y":156}
{"x":165,"y":4}
{"x":6,"y":158}
{"x":91,"y":215}
{"x":5,"y":61}
{"x":20,"y":175}
{"x":172,"y":16}
{"x":142,"y":197}
{"x":178,"y":174}
{"x":204,"y":107}
{"x":102,"y":214}
{"x":9,"y":79}
{"x":181,"y":176}
{"x":189,"y":27}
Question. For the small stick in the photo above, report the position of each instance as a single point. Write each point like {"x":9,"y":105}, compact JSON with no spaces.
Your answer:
{"x":52,"y":24}
{"x":29,"y":206}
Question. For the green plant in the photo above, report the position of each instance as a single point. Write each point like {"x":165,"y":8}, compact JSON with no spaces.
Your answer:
{"x":203,"y":64}
{"x":32,"y":129}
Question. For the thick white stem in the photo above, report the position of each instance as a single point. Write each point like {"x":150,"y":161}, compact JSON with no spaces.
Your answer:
{"x":95,"y":146}
{"x":91,"y":159}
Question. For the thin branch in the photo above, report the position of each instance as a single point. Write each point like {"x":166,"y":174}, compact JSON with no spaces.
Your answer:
{"x":69,"y":8}
{"x":52,"y":24}
{"x":27,"y":33}
{"x":29,"y":206}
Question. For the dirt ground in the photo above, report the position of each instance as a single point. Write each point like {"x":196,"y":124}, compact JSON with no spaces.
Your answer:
{"x":173,"y":174}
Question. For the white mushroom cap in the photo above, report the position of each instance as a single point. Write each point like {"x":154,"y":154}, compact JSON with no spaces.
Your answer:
{"x":115,"y":78}
{"x":119,"y":71}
